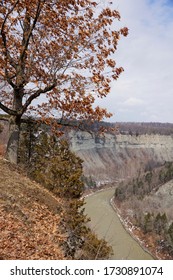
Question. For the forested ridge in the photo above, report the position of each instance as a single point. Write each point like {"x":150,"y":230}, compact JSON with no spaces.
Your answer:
{"x":146,"y":202}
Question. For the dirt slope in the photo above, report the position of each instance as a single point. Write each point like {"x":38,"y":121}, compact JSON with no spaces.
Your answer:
{"x":29,"y":218}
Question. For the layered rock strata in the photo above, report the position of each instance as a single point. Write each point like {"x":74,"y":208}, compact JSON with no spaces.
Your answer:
{"x":118,"y":157}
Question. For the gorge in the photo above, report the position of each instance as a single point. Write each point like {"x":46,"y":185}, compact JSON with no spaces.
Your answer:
{"x":115,"y":157}
{"x":129,"y":154}
{"x":141,"y":162}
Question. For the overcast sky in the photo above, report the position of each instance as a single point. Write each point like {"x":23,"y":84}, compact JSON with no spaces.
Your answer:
{"x":144,"y":92}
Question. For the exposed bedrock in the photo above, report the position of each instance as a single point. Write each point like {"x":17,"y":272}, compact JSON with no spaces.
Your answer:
{"x":114,"y":157}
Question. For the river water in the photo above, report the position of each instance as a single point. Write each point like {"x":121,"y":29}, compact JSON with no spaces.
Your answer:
{"x":105,"y":222}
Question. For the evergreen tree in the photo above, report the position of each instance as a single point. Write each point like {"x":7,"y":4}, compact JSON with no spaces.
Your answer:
{"x":148,"y":222}
{"x":60,"y":170}
{"x":160,"y":223}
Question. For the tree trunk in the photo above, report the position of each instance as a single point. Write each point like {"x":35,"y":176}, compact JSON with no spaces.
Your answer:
{"x":13,"y":142}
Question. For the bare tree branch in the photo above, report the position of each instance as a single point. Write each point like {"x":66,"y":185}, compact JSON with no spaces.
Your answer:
{"x":7,"y":110}
{"x":27,"y":35}
{"x":6,"y":52}
{"x":37,"y":94}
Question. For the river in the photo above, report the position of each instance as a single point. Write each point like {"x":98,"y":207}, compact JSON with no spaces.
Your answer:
{"x":105,"y":222}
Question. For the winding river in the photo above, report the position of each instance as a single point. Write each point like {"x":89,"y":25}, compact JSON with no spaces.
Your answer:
{"x":105,"y":222}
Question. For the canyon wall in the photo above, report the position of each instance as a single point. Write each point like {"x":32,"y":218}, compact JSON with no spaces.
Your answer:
{"x":117,"y":157}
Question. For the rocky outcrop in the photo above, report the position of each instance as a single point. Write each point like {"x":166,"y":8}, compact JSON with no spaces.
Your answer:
{"x":115,"y":157}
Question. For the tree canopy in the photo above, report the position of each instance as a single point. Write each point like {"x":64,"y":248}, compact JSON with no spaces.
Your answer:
{"x":60,"y":50}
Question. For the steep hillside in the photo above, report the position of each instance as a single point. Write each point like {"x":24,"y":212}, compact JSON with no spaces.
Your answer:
{"x":146,"y":205}
{"x":160,"y":201}
{"x":117,"y":157}
{"x":29,"y":219}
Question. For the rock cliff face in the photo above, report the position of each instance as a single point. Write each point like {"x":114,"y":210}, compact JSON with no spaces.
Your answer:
{"x":117,"y":157}
{"x":121,"y":156}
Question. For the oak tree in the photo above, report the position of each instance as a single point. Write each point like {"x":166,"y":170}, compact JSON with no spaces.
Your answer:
{"x":56,"y":58}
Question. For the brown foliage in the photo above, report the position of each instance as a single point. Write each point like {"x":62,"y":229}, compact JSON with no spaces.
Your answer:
{"x":34,"y":237}
{"x":68,"y":59}
{"x":29,"y":220}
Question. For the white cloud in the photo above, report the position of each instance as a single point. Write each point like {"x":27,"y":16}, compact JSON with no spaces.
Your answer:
{"x":132,"y":102}
{"x":147,"y":57}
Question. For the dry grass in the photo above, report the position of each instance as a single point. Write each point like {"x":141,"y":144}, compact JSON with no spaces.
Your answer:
{"x":29,"y":219}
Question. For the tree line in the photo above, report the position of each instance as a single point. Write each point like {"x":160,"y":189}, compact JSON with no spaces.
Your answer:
{"x":136,"y":129}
